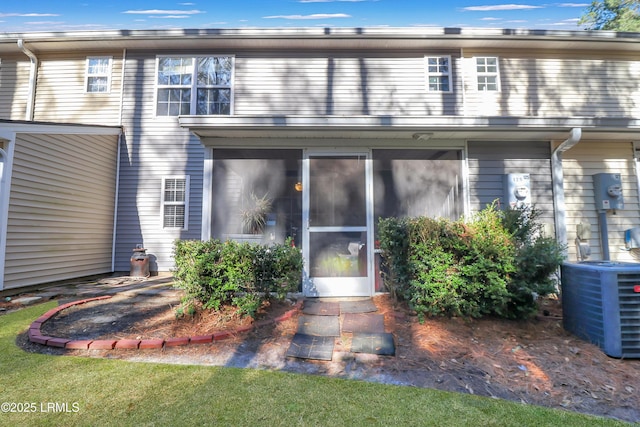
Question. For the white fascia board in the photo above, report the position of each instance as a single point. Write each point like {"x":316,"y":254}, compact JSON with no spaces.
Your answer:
{"x":442,"y":122}
{"x":12,"y":128}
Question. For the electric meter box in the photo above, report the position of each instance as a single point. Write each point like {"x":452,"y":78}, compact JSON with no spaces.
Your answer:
{"x":607,"y":189}
{"x":517,"y":190}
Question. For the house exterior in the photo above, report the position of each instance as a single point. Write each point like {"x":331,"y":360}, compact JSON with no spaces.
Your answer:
{"x":188,"y":130}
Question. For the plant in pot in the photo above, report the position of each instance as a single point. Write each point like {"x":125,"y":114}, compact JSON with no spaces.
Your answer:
{"x":254,"y":215}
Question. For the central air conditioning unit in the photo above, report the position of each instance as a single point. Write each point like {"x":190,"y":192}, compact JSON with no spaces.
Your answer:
{"x":601,"y":303}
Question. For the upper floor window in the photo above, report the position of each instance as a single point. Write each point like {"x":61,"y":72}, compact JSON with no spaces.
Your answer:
{"x":194,"y":85}
{"x":439,"y":73}
{"x":175,"y":202}
{"x":488,"y":74}
{"x":98,"y":75}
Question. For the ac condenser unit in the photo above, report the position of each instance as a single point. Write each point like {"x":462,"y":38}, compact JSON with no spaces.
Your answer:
{"x":601,"y":303}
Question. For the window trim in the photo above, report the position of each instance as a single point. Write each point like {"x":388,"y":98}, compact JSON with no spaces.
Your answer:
{"x":495,"y":74}
{"x":184,"y":203}
{"x":108,"y":73}
{"x":428,"y":74}
{"x":193,"y":105}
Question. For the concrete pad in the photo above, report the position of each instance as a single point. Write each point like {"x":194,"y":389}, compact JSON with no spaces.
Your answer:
{"x":361,"y":306}
{"x":311,"y":347}
{"x":363,"y":323}
{"x":374,"y":344}
{"x":321,"y":308}
{"x":325,"y":326}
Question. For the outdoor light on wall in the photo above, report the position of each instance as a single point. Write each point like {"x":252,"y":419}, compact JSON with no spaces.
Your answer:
{"x":422,"y":136}
{"x":298,"y":186}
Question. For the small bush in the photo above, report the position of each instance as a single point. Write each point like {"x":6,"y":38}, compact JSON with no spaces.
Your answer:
{"x":496,"y":263}
{"x":216,"y":273}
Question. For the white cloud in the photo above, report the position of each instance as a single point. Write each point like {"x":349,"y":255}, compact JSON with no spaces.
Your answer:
{"x":169,"y":17}
{"x":313,"y":16}
{"x":501,"y":7}
{"x":490,"y":19}
{"x":44,"y":22}
{"x":164,"y":12}
{"x":27,"y":15}
{"x":573,"y":21}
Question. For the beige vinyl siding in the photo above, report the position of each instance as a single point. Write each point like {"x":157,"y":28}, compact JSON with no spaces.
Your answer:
{"x":14,"y":88}
{"x":490,"y":161}
{"x":61,"y":95}
{"x":333,"y":84}
{"x":579,"y":165}
{"x":153,"y":148}
{"x":61,"y":207}
{"x":543,"y":85}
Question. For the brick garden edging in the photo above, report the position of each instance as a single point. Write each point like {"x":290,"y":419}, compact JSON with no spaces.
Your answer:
{"x":35,"y":334}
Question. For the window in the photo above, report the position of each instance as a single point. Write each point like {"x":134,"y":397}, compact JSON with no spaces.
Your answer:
{"x":98,"y":75}
{"x":196,"y":86}
{"x":175,"y":202}
{"x":438,"y":73}
{"x":487,"y":74}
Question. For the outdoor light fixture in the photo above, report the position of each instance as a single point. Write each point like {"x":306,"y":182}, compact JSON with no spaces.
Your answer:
{"x":298,"y":186}
{"x":422,"y":136}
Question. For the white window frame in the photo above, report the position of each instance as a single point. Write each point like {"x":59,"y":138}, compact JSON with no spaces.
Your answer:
{"x":88,"y":74}
{"x":487,"y":74}
{"x":438,"y":72}
{"x":185,"y":202}
{"x":194,"y":86}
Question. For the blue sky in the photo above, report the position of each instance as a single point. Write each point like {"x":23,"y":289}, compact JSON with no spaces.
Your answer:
{"x":79,"y":15}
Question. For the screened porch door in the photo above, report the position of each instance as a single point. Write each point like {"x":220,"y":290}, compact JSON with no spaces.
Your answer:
{"x":337,"y":223}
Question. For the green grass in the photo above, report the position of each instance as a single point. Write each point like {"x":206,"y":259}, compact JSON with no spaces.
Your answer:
{"x":113,"y":392}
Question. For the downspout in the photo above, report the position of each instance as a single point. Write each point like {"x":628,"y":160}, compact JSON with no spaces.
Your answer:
{"x":5,"y":179}
{"x":33,"y":76}
{"x":558,"y":190}
{"x":115,"y":207}
{"x":119,"y":152}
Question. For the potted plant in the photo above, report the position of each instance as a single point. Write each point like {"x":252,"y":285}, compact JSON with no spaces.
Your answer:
{"x":254,"y":215}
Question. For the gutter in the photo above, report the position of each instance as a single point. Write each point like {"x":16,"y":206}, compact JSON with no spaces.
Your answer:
{"x":33,"y":75}
{"x":558,"y":191}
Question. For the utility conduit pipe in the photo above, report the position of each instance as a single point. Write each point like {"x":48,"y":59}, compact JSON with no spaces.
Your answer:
{"x":33,"y":75}
{"x":558,"y":190}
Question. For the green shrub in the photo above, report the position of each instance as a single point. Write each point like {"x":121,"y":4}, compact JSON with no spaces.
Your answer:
{"x":394,"y":243}
{"x":216,"y":273}
{"x":537,"y":259}
{"x":495,"y":263}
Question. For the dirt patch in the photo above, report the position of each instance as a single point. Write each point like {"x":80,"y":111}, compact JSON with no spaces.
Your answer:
{"x":533,"y":361}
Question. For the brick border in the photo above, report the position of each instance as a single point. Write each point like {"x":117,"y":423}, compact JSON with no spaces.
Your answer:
{"x":35,"y":334}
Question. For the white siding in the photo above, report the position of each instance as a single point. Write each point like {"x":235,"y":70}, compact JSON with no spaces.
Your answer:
{"x":61,"y":95}
{"x":490,"y":161}
{"x":579,"y":165}
{"x":152,"y":149}
{"x":14,"y":88}
{"x":540,"y":84}
{"x":341,"y":85}
{"x":61,"y":208}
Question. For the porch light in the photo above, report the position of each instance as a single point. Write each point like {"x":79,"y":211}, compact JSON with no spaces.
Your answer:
{"x":422,"y":136}
{"x":298,"y":186}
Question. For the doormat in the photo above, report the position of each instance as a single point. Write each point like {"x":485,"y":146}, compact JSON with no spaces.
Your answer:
{"x":363,"y":323}
{"x":362,"y":306}
{"x":321,"y":308}
{"x":324,"y":326}
{"x":374,"y":344}
{"x":311,"y":347}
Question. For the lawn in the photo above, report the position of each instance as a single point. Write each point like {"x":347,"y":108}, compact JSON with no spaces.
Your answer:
{"x":91,"y":391}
